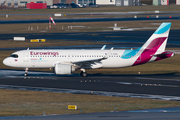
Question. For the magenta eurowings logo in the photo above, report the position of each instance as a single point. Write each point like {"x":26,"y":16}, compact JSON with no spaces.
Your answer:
{"x":44,"y":53}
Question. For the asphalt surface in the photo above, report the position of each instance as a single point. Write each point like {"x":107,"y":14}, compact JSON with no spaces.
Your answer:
{"x":117,"y":39}
{"x":106,"y":116}
{"x":88,"y":20}
{"x":162,"y":87}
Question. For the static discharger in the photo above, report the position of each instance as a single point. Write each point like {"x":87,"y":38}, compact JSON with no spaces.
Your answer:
{"x":72,"y":107}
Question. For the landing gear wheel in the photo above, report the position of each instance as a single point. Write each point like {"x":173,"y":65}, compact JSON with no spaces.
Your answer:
{"x":83,"y":74}
{"x":25,"y":74}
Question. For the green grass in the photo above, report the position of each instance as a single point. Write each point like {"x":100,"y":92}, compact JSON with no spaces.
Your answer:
{"x":26,"y":103}
{"x":87,"y":26}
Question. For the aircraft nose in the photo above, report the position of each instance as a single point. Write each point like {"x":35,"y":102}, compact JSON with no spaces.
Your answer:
{"x":6,"y":62}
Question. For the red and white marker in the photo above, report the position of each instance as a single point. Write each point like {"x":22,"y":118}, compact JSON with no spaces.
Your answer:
{"x":52,"y":20}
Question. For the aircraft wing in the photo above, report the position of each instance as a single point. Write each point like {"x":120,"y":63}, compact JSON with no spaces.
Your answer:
{"x":87,"y":63}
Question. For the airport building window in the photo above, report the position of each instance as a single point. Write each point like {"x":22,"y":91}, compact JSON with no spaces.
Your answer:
{"x":80,"y":2}
{"x":39,"y":1}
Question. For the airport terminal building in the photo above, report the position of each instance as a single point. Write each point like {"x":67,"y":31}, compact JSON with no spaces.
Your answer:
{"x":22,"y":3}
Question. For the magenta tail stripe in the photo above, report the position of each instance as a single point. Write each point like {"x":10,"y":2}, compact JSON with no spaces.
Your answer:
{"x":150,"y":50}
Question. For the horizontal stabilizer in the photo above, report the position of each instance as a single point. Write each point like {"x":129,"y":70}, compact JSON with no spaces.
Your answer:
{"x":164,"y":54}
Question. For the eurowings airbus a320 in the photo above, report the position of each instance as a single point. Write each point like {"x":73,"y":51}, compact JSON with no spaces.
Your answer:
{"x":68,"y":61}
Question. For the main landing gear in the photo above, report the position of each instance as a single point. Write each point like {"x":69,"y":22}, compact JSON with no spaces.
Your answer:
{"x":26,"y":72}
{"x":83,"y":73}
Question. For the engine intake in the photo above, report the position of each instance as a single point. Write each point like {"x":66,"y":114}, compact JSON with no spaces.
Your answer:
{"x":61,"y":69}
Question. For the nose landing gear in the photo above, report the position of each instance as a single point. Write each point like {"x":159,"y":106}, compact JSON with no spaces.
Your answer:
{"x":26,"y":72}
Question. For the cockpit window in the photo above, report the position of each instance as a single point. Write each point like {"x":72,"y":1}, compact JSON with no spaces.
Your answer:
{"x":14,"y":56}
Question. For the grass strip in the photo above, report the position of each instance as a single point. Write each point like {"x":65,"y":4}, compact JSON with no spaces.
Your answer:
{"x":42,"y":28}
{"x":26,"y":103}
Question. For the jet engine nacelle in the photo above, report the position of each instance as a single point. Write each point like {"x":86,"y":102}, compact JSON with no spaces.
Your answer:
{"x":61,"y":69}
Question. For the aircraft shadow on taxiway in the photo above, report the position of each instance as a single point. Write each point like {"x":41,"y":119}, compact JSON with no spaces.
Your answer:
{"x":11,"y":72}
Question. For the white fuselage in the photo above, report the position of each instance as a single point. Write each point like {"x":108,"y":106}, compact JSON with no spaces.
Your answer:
{"x":48,"y":58}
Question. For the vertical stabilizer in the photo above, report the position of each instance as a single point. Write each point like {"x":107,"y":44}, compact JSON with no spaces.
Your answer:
{"x":158,"y":40}
{"x":156,"y":44}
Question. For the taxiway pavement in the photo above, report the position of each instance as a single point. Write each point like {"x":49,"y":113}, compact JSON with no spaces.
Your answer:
{"x":163,"y":87}
{"x":152,"y":114}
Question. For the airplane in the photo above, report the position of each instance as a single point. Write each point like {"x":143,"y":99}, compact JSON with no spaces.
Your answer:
{"x":68,"y":61}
